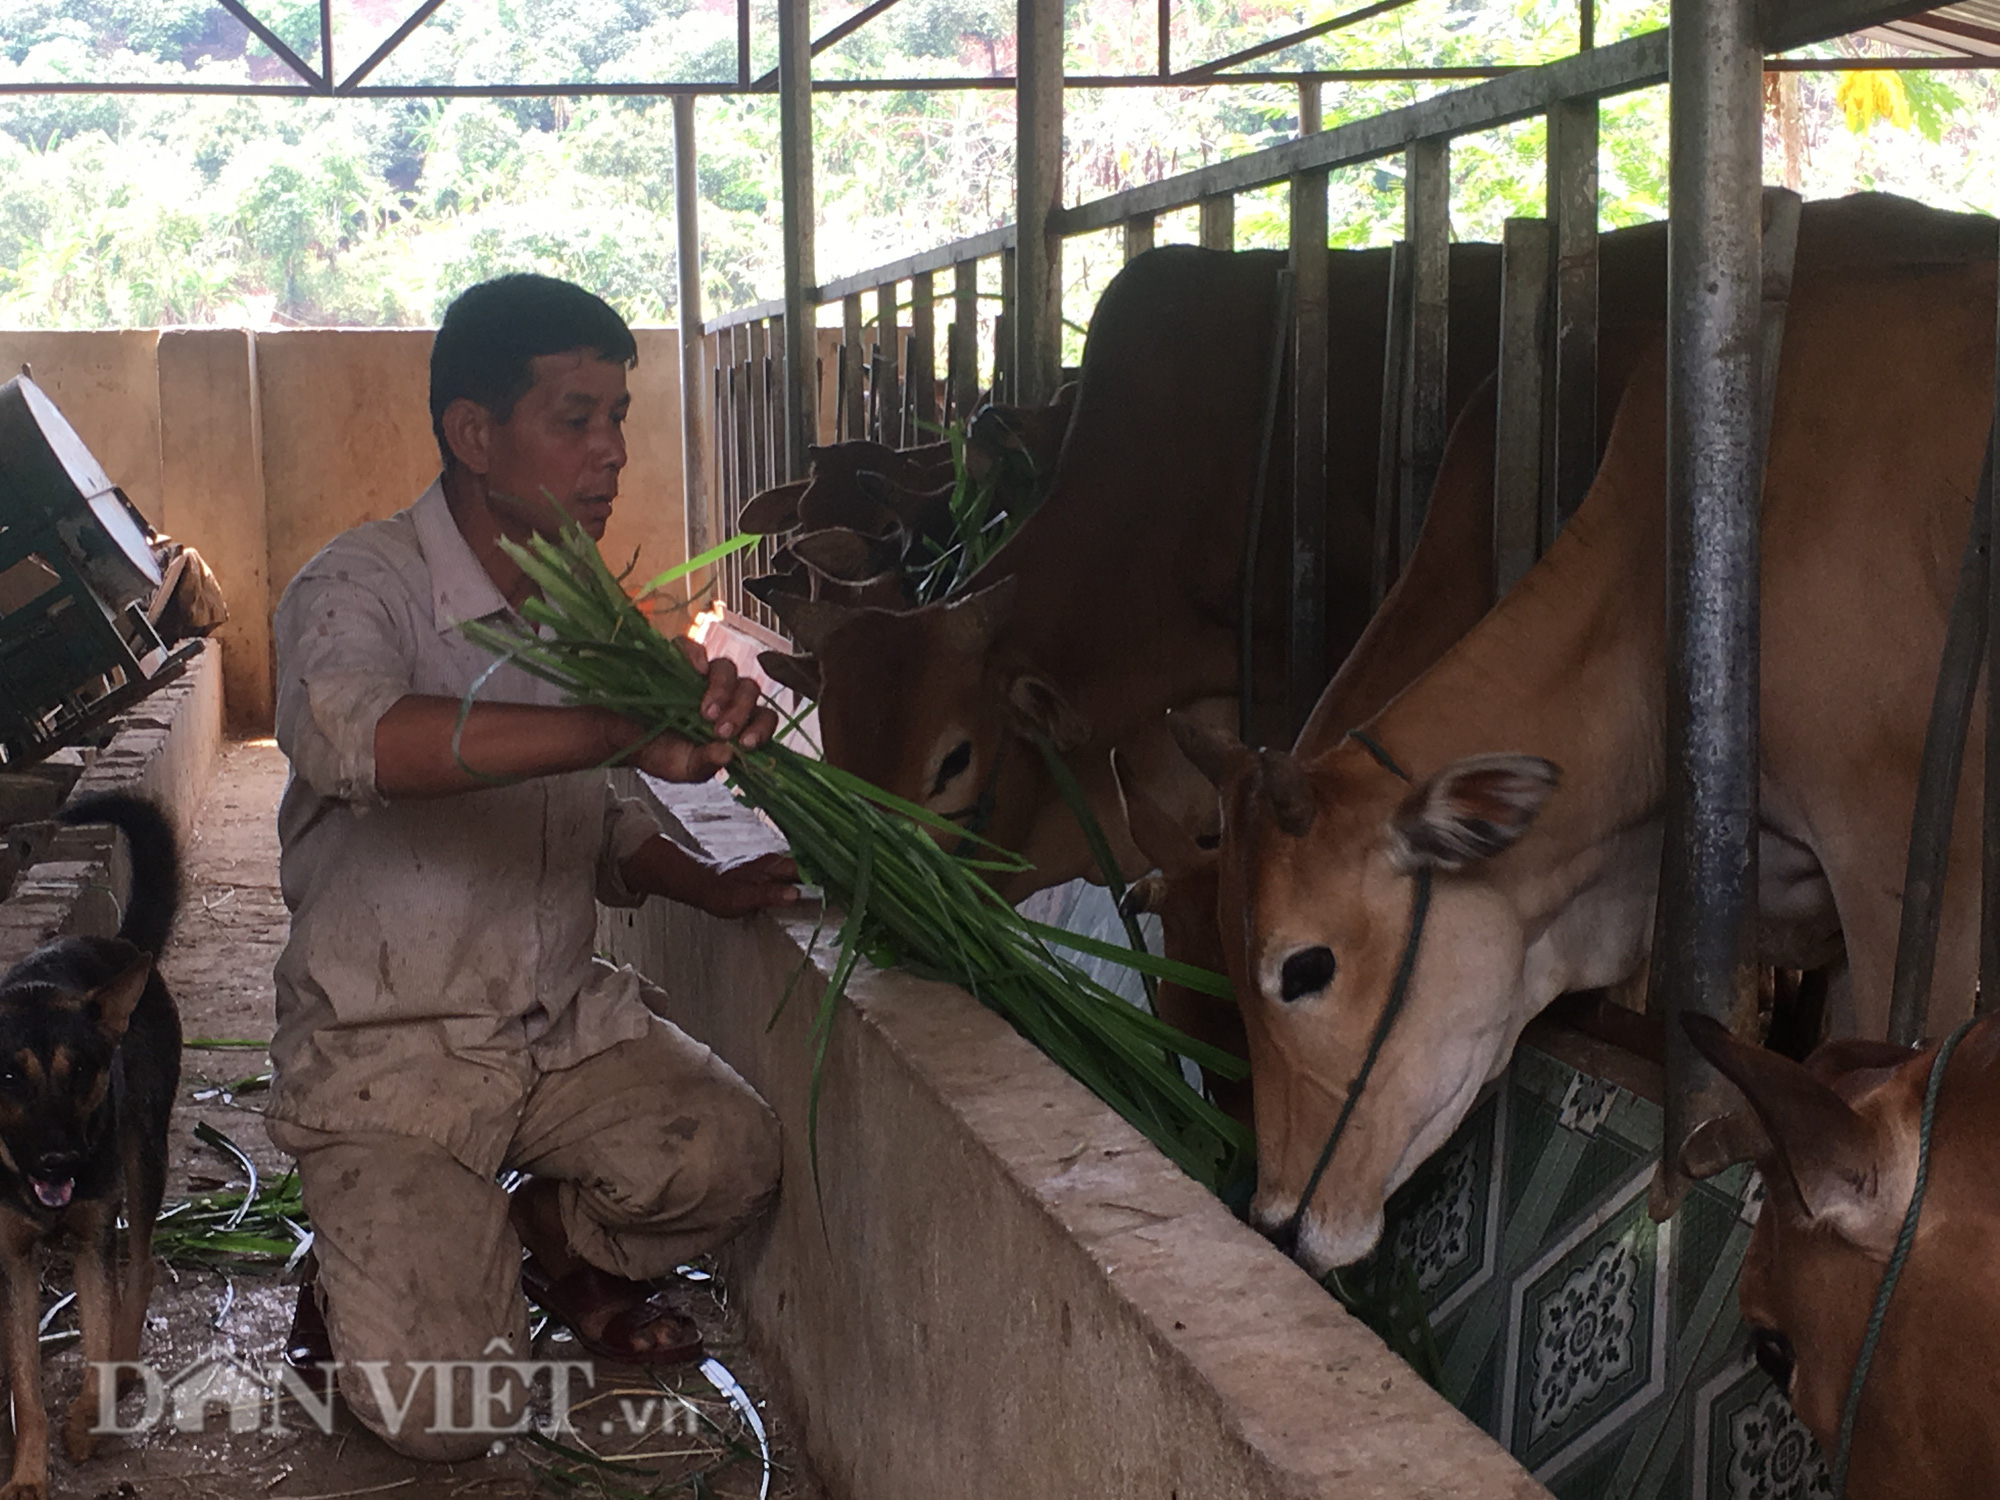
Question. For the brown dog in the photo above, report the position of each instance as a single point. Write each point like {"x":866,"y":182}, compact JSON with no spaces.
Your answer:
{"x":90,"y":1047}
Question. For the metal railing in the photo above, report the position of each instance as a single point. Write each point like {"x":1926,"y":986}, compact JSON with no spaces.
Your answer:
{"x":878,"y":376}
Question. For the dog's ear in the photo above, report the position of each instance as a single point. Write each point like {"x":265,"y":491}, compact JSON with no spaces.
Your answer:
{"x":115,"y":1000}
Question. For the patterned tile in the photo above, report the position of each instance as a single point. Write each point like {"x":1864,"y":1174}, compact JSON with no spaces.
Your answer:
{"x":1587,"y":1332}
{"x":1748,"y":1444}
{"x":1447,"y":1218}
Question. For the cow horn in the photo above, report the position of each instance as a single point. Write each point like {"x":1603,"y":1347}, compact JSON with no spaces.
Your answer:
{"x":1146,"y":894}
{"x":774,"y":510}
{"x":1215,"y":754}
{"x":810,"y":622}
{"x":799,"y":673}
{"x":1289,"y":792}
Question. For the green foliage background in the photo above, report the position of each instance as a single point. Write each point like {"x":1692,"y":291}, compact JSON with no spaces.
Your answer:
{"x":143,"y":211}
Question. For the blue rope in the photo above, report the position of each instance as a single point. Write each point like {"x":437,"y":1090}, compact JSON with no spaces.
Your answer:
{"x":1894,"y":1271}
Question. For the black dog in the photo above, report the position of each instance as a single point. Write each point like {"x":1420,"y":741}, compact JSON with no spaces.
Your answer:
{"x":90,"y":1059}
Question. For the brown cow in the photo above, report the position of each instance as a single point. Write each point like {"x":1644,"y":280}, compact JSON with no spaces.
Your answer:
{"x":1836,"y":1142}
{"x":1881,"y":417}
{"x":1118,"y":600}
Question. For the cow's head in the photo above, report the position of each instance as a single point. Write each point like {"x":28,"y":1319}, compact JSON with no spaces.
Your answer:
{"x":1316,"y":884}
{"x":1836,"y":1140}
{"x":932,"y":704}
{"x":1180,"y":891}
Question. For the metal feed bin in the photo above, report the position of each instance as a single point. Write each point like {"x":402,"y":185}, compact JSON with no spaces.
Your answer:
{"x":77,"y":577}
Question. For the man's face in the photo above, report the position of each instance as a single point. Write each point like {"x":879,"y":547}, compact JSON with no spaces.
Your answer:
{"x":564,"y":443}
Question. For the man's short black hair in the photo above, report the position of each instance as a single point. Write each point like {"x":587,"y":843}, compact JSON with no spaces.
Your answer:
{"x":491,"y":331}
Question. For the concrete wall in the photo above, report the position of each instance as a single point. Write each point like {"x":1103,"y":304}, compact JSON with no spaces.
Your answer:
{"x":259,"y":448}
{"x":998,"y":1288}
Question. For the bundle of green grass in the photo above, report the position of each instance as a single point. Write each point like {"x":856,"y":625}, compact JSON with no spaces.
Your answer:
{"x":906,"y":901}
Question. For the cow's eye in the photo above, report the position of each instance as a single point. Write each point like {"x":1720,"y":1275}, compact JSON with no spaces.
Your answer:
{"x":1774,"y":1353}
{"x":1306,"y":972}
{"x":952,"y":766}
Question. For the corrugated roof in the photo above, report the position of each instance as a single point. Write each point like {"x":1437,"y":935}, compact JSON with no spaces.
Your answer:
{"x":1969,"y":29}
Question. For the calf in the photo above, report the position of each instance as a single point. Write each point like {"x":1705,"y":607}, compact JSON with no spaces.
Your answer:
{"x":1836,"y":1141}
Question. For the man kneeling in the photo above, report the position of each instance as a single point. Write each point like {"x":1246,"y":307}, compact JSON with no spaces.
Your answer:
{"x":441,"y":1017}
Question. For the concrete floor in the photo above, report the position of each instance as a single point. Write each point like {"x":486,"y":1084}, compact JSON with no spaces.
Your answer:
{"x":232,"y":927}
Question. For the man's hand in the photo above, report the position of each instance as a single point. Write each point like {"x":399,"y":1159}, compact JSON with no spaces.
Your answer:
{"x":730,"y":704}
{"x":661,"y":867}
{"x":746,"y":886}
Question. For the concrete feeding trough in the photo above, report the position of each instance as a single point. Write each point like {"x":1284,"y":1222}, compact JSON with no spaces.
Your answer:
{"x":995,"y":1286}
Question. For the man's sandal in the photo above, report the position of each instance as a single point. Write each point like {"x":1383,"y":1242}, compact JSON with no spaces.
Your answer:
{"x":308,"y":1346}
{"x":633,"y":1309}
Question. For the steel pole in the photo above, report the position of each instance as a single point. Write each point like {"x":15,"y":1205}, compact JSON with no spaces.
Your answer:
{"x":694,"y":368}
{"x":795,"y":165}
{"x":1703,"y":953}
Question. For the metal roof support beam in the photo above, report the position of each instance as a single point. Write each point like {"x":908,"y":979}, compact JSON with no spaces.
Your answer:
{"x":1293,"y":38}
{"x":839,"y":33}
{"x":1703,"y":950}
{"x":276,"y":43}
{"x":1038,"y":103}
{"x":795,"y":166}
{"x":396,"y":39}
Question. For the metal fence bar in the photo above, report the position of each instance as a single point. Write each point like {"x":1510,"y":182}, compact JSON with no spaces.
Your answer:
{"x":888,"y":339}
{"x":1573,"y":218}
{"x":965,"y":336}
{"x":1307,"y":666}
{"x":795,"y":166}
{"x":1003,"y":331}
{"x":1389,"y":448}
{"x":853,"y":357}
{"x":1703,"y":957}
{"x":696,"y":432}
{"x":923,"y":359}
{"x":1518,"y":400}
{"x":1989,"y":928}
{"x":1427,"y":226}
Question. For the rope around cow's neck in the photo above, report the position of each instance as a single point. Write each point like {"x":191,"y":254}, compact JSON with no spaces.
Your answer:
{"x":1420,"y":905}
{"x":1897,"y":1258}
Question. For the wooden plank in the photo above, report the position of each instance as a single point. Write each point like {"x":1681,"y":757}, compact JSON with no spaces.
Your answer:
{"x":1636,"y":63}
{"x":887,"y":354}
{"x":795,"y":171}
{"x":965,"y":329}
{"x":853,"y":366}
{"x":1573,"y":223}
{"x":1218,"y":222}
{"x":1524,"y":354}
{"x":1307,"y":668}
{"x":974,"y":248}
{"x":923,"y":401}
{"x":1038,"y":107}
{"x":1427,"y":226}
{"x":1389,"y":449}
{"x":1138,"y":236}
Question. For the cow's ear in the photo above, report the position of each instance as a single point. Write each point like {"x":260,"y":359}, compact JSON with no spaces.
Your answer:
{"x":799,"y":673}
{"x":774,"y":511}
{"x":972,"y":623}
{"x":1040,"y":706}
{"x":1846,"y":1171}
{"x":1471,"y":810}
{"x":810,"y":622}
